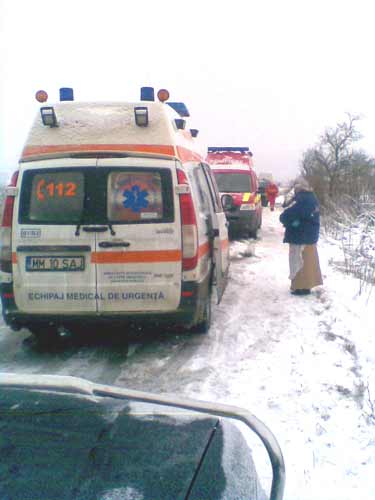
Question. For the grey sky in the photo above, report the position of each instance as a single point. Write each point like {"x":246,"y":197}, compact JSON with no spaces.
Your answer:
{"x":270,"y":75}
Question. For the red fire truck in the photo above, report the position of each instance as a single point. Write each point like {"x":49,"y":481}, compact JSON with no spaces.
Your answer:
{"x":235,"y":176}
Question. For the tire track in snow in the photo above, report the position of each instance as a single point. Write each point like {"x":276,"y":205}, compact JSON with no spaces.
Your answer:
{"x":161,"y":365}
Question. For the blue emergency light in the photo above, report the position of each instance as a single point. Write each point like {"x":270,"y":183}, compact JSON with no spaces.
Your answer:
{"x":219,"y":149}
{"x":180,"y":108}
{"x":180,"y":123}
{"x":66,"y":94}
{"x":194,"y":132}
{"x":147,"y":94}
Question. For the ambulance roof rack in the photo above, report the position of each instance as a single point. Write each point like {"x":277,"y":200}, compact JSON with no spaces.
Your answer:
{"x":180,"y":108}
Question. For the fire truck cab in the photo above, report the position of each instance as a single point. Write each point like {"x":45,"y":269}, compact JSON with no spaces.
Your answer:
{"x":235,"y":177}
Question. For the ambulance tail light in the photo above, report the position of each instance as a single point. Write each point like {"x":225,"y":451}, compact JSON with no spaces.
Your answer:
{"x":188,"y":227}
{"x":6,"y":228}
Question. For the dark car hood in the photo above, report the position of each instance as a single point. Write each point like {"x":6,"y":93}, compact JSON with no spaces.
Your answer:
{"x":57,"y":446}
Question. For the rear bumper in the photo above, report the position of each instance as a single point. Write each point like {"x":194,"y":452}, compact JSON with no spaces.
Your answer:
{"x":192,"y":301}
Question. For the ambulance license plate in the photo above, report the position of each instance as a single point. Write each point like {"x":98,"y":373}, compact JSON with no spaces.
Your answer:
{"x":55,"y":263}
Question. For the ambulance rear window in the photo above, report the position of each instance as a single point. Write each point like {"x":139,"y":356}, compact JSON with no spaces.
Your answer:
{"x":139,"y":196}
{"x":92,"y":195}
{"x":54,"y":196}
{"x":233,"y":182}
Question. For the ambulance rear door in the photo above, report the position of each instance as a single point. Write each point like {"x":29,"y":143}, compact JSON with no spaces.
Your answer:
{"x":139,"y":259}
{"x":51,"y":251}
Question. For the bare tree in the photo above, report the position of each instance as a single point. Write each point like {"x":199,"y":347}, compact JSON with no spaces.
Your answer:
{"x":334,"y":168}
{"x":334,"y":153}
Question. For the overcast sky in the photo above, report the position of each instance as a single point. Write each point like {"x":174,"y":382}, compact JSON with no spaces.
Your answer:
{"x":268,"y":74}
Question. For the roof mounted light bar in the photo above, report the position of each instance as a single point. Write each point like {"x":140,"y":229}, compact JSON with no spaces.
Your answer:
{"x":180,"y":108}
{"x":180,"y":123}
{"x":147,"y":94}
{"x":66,"y":94}
{"x":219,"y":149}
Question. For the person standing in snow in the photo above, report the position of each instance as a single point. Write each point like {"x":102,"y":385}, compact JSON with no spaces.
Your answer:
{"x":272,"y":191}
{"x":301,"y":220}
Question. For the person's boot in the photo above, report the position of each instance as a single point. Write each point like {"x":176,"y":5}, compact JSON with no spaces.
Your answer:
{"x":301,"y":291}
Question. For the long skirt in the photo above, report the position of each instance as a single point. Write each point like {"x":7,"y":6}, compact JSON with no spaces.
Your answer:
{"x":304,"y":267}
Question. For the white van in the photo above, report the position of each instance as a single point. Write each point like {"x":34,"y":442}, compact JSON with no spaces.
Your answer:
{"x":113,"y":216}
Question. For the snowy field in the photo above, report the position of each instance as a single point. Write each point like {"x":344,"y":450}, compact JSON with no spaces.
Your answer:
{"x":304,"y":365}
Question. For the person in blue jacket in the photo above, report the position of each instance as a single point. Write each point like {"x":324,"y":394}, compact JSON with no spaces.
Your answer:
{"x":301,"y":220}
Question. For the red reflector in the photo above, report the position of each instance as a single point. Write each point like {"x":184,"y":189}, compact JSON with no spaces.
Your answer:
{"x":9,"y":202}
{"x":188,"y":226}
{"x":186,"y":202}
{"x":187,"y":294}
{"x":8,"y":295}
{"x":187,"y":209}
{"x":181,"y":177}
{"x":8,"y":211}
{"x":13,"y":179}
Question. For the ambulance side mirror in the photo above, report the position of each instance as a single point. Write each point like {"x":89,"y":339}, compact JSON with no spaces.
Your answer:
{"x":227,"y":202}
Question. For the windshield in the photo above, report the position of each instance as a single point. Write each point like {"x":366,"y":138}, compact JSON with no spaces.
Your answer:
{"x":233,"y":182}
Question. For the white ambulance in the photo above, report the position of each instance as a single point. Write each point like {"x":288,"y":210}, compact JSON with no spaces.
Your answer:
{"x":113,"y":217}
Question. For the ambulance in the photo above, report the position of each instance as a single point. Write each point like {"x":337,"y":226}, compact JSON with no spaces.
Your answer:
{"x":237,"y":180}
{"x":113,"y":217}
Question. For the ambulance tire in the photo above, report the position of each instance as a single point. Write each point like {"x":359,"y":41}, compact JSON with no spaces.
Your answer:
{"x":45,"y":335}
{"x":205,"y":322}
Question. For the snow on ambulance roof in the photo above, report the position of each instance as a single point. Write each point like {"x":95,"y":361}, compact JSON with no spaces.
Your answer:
{"x":110,"y":126}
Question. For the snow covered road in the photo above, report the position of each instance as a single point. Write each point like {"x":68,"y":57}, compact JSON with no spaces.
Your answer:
{"x":304,"y":365}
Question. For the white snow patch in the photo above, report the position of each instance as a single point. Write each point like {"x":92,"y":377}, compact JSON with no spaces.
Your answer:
{"x":301,"y":364}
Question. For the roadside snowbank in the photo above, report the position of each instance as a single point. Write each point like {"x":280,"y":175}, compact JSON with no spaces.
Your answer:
{"x":301,"y":364}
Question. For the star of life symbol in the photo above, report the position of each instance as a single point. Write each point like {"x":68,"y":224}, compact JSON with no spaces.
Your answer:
{"x":135,"y":199}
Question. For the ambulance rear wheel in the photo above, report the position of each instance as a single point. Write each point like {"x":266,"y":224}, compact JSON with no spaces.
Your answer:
{"x":45,"y":335}
{"x":205,"y":322}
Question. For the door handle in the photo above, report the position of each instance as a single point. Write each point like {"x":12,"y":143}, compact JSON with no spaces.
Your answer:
{"x":95,"y":229}
{"x":213,"y":233}
{"x":114,"y":244}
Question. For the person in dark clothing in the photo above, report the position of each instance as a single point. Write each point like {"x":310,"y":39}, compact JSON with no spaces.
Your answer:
{"x":301,"y":220}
